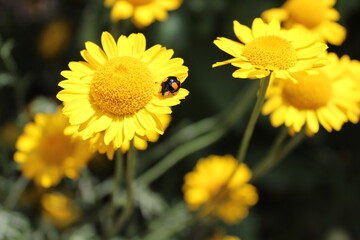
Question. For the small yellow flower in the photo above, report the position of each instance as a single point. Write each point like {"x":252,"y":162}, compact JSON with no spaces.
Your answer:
{"x":143,"y":12}
{"x":317,"y":16}
{"x":59,"y":209}
{"x":328,"y":99}
{"x":267,"y":48}
{"x":201,"y":187}
{"x":46,"y":154}
{"x":114,"y":96}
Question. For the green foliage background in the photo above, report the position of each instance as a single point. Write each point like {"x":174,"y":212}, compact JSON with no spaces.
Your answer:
{"x":313,"y":194}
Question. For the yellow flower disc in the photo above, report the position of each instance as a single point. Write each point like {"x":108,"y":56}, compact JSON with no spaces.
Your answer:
{"x":140,"y":2}
{"x":304,"y":94}
{"x":271,"y":51}
{"x":122,"y":86}
{"x":56,"y":143}
{"x":308,"y":12}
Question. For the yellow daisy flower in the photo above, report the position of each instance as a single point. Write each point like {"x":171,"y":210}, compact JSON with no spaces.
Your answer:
{"x":143,"y":12}
{"x":46,"y":154}
{"x":97,"y":142}
{"x":267,"y":48}
{"x":351,"y":69}
{"x":328,"y":99}
{"x":201,"y":187}
{"x":317,"y":16}
{"x":115,"y":96}
{"x":59,"y":209}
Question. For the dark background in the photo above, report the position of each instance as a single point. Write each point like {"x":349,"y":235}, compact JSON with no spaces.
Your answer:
{"x":313,"y":194}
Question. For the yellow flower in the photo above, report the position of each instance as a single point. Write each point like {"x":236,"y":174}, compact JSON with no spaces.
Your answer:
{"x":267,"y":48}
{"x":351,"y":69}
{"x":115,"y":95}
{"x":46,"y":154}
{"x":328,"y":99}
{"x":143,"y":12}
{"x":59,"y":209}
{"x":201,"y":187}
{"x":317,"y":16}
{"x":97,"y":142}
{"x":54,"y":38}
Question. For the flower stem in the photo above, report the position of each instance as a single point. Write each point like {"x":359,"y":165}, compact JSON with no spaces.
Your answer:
{"x":116,"y":182}
{"x":270,"y":159}
{"x":231,"y":116}
{"x":15,"y":193}
{"x":253,"y":119}
{"x":277,"y":154}
{"x":128,"y":209}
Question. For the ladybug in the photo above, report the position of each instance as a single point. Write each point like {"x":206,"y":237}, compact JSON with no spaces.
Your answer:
{"x":170,"y":86}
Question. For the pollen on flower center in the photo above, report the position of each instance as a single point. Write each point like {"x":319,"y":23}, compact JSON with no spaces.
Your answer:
{"x":122,"y":86}
{"x":271,"y":52}
{"x":307,"y":12}
{"x":140,"y":2}
{"x":311,"y":92}
{"x":56,"y":147}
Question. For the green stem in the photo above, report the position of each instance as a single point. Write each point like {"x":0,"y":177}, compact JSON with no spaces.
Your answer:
{"x":15,"y":193}
{"x":116,"y":183}
{"x":253,"y":119}
{"x":128,"y":209}
{"x":208,"y":207}
{"x":291,"y":145}
{"x":177,"y":154}
{"x":270,"y":159}
{"x":277,"y":154}
{"x":231,"y":117}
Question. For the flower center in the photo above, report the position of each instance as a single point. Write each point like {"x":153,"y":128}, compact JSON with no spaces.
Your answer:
{"x":271,"y":52}
{"x":306,"y":12}
{"x":311,"y":92}
{"x":122,"y":86}
{"x":56,"y":147}
{"x":140,"y":2}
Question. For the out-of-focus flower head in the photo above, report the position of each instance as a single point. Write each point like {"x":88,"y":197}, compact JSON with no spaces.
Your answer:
{"x":142,"y":12}
{"x":54,"y":38}
{"x":207,"y":186}
{"x":317,"y":16}
{"x":46,"y":154}
{"x":328,"y":99}
{"x":59,"y":209}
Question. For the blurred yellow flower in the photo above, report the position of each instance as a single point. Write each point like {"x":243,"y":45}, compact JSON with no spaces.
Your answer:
{"x":328,"y":99}
{"x":202,"y":186}
{"x":46,"y":154}
{"x":266,"y":48}
{"x":223,"y":237}
{"x":115,"y":95}
{"x":142,"y":12}
{"x":59,"y":209}
{"x":317,"y":16}
{"x":53,"y":39}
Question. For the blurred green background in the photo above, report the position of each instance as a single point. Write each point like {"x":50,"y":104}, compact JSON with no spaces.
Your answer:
{"x":314,"y":194}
